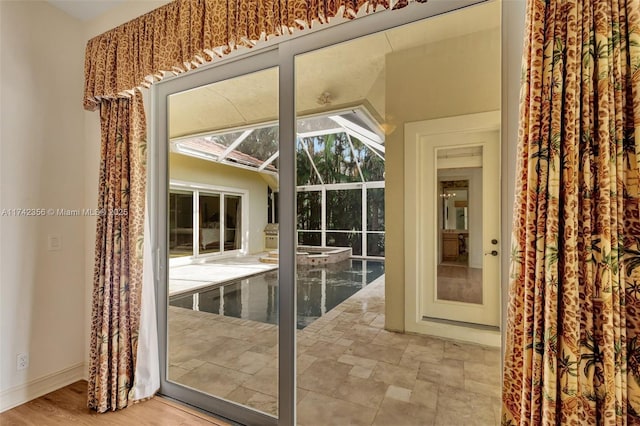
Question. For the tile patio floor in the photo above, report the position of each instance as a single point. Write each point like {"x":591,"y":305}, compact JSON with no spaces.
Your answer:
{"x":186,"y":278}
{"x":350,"y":370}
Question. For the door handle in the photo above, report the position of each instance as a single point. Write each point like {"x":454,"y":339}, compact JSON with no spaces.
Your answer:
{"x":492,"y":253}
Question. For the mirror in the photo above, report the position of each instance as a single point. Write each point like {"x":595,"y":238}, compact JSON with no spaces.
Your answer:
{"x":455,"y":205}
{"x":459,"y":189}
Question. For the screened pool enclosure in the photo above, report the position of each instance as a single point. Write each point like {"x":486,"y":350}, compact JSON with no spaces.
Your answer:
{"x":340,"y":174}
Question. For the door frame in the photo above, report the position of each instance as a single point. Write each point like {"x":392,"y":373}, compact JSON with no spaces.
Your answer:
{"x":277,"y":52}
{"x":415,"y":320}
{"x":160,"y":185}
{"x":487,"y":312}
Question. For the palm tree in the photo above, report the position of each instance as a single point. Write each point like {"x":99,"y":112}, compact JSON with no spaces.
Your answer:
{"x":336,"y":162}
{"x":566,"y":368}
{"x":632,"y":257}
{"x":593,"y":358}
{"x":633,"y":358}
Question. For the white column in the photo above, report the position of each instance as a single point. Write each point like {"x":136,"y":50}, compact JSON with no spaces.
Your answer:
{"x":364,"y":219}
{"x":196,"y":301}
{"x":364,"y":273}
{"x":323,"y":224}
{"x":221,"y":301}
{"x":195,"y":234}
{"x":244,"y":299}
{"x":323,"y":291}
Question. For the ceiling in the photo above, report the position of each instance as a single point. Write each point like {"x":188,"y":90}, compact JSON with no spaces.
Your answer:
{"x":85,"y":10}
{"x":355,"y":76}
{"x":352,"y":73}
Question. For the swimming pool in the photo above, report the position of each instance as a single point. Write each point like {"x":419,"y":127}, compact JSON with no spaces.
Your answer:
{"x":319,"y":289}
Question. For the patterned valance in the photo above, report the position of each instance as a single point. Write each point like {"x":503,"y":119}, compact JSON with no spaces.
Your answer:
{"x":187,"y":33}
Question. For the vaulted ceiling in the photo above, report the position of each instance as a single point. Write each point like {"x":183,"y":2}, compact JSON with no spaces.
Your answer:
{"x":355,"y":76}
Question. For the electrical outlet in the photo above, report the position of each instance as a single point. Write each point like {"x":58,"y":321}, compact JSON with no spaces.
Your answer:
{"x":22,"y":361}
{"x":54,"y":242}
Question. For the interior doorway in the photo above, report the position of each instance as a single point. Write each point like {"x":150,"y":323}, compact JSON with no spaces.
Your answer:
{"x":453,"y":256}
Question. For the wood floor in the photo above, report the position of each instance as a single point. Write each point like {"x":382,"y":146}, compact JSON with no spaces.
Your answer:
{"x":68,"y":406}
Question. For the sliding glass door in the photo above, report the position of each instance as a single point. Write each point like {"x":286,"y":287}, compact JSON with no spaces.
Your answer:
{"x":228,"y":331}
{"x":220,"y":305}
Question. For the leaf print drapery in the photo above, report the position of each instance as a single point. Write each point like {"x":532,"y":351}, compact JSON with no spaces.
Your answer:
{"x":119,"y":250}
{"x":573,"y":328}
{"x":185,"y":34}
{"x":177,"y":37}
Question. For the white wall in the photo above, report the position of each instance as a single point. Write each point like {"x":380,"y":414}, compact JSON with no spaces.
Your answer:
{"x":42,"y":301}
{"x":49,"y":158}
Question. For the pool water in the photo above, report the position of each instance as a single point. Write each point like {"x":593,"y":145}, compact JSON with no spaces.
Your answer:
{"x":320,"y":289}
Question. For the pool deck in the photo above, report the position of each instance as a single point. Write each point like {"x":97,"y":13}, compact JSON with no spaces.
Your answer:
{"x":350,"y":370}
{"x":187,"y":278}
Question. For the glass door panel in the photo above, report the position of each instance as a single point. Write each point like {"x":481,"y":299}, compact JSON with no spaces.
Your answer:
{"x":222,"y":306}
{"x":341,"y":219}
{"x":233,"y":222}
{"x":210,"y":229}
{"x":459,"y":274}
{"x":460,"y":200}
{"x":221,"y":350}
{"x":180,"y":224}
{"x":369,"y":88}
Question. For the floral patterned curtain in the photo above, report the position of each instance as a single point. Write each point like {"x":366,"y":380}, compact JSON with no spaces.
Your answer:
{"x":119,"y":250}
{"x":174,"y":38}
{"x":573,"y":329}
{"x":187,"y":33}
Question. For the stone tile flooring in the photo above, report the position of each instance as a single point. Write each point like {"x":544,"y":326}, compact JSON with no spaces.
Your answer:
{"x":350,"y":370}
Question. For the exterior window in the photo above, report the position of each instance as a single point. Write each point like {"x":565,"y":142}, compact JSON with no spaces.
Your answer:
{"x":347,"y":215}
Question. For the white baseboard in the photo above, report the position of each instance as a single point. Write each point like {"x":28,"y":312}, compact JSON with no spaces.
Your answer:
{"x":20,"y":394}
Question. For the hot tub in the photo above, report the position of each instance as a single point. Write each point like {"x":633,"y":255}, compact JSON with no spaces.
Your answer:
{"x":316,"y":255}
